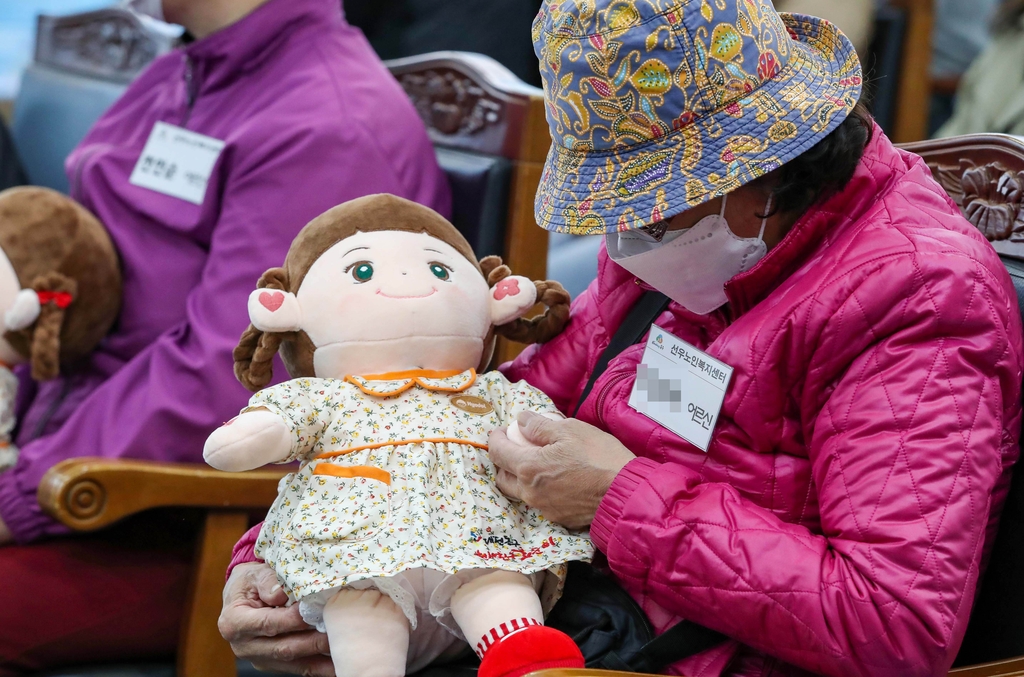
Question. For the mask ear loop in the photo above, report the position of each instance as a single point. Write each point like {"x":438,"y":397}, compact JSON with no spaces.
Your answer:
{"x":767,"y":211}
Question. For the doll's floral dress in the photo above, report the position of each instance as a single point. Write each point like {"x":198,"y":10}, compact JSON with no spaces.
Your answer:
{"x":395,"y":477}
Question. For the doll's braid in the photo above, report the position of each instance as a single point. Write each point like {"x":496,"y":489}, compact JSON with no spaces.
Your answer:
{"x":44,"y":351}
{"x":542,"y":328}
{"x":254,"y":354}
{"x":538,"y":329}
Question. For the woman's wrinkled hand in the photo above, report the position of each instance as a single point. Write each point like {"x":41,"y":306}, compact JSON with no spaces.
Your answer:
{"x":563,"y":470}
{"x":261,"y":630}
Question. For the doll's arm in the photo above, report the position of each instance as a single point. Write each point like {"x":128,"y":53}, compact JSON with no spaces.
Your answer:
{"x":251,"y":440}
{"x":282,"y":423}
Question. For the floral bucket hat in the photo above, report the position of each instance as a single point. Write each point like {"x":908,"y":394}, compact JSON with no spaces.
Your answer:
{"x":657,"y":106}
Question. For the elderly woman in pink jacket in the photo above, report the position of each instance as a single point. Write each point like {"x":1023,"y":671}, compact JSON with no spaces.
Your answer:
{"x":808,"y":445}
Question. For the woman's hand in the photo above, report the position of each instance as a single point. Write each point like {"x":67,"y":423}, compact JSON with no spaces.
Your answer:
{"x":261,"y":630}
{"x":6,"y":537}
{"x":564,"y":470}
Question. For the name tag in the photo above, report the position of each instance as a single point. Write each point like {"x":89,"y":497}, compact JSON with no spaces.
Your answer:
{"x":177,"y":162}
{"x":680,"y":387}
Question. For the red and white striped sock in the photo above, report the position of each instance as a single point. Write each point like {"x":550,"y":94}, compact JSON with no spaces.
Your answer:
{"x":495,"y":635}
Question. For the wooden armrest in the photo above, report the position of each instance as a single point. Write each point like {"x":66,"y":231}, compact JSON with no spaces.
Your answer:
{"x":1013,"y":667}
{"x":91,"y":493}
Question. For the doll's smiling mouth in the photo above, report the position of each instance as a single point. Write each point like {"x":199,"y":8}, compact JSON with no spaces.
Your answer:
{"x":389,"y":296}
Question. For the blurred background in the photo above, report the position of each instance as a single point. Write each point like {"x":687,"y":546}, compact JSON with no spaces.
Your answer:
{"x":17,"y":37}
{"x":917,"y":52}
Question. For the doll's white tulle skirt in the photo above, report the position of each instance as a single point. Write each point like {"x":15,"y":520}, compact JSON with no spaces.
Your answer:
{"x":425,"y":597}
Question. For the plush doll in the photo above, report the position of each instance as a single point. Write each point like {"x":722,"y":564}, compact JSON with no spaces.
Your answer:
{"x":60,"y":290}
{"x":392,"y":535}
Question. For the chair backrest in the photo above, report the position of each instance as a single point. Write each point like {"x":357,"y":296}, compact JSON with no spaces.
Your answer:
{"x":491,"y":135}
{"x":984,"y":174}
{"x":913,"y":98}
{"x":83,"y":62}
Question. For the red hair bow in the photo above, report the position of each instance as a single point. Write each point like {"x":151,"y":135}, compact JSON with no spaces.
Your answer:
{"x":61,"y":298}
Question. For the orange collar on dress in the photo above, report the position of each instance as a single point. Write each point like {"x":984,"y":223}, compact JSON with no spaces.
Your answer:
{"x":394,"y":383}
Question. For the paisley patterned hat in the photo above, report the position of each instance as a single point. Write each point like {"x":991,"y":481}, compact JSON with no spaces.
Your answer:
{"x":657,"y":106}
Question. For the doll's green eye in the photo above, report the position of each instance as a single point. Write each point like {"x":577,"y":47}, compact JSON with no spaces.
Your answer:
{"x":440,"y":271}
{"x":362,"y":272}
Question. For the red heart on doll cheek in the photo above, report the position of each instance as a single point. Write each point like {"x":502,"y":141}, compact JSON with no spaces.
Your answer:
{"x":271,"y":300}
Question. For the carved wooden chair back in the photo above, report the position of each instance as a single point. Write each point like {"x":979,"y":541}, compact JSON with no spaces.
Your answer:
{"x":82,"y":64}
{"x":477,"y":111}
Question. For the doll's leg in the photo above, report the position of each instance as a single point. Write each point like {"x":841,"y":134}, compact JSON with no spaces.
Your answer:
{"x":368,"y":634}
{"x":501,"y":616}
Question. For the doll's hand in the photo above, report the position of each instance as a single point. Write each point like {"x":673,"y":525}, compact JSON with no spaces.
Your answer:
{"x":263,"y":631}
{"x":563,"y":470}
{"x":248,"y":441}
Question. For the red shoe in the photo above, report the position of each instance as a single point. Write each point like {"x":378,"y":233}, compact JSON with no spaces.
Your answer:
{"x":529,"y":650}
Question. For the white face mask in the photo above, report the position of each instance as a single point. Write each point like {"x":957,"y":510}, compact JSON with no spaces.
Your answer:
{"x":691,"y":266}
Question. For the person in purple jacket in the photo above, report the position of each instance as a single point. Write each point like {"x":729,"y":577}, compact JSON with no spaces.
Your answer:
{"x":203,"y":172}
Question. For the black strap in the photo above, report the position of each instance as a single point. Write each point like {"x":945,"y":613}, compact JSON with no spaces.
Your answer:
{"x":682,"y":640}
{"x":685,"y":638}
{"x":633,"y":328}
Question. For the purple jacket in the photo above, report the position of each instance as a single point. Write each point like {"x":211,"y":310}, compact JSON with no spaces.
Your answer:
{"x":837,"y":524}
{"x":311,"y":118}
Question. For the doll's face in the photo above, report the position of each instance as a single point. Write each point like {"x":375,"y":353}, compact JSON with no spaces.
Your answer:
{"x":392,"y":300}
{"x":9,"y":288}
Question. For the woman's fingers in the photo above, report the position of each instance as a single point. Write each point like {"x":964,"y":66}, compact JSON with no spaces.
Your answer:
{"x":247,"y":612}
{"x":240,"y":622}
{"x":272,"y":637}
{"x":505,"y":453}
{"x":291,"y":648}
{"x":320,"y":666}
{"x":538,"y":429}
{"x":509,"y":484}
{"x":270,"y":591}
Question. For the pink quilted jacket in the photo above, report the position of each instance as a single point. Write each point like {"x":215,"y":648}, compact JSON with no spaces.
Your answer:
{"x":838,"y":523}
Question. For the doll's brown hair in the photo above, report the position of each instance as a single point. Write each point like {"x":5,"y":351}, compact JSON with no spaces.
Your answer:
{"x":256,"y":349}
{"x":60,"y":250}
